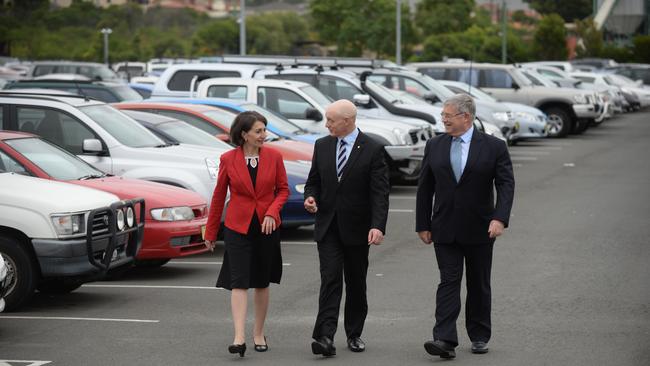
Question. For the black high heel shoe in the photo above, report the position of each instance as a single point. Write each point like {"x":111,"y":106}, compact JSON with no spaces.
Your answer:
{"x":237,"y":348}
{"x":262,"y":347}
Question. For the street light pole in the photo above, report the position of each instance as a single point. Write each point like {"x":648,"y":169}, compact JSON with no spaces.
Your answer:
{"x":242,"y":27}
{"x":398,"y":32}
{"x":106,"y":32}
{"x":504,"y":34}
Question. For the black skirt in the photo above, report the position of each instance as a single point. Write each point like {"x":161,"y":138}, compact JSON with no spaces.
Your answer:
{"x":252,"y":260}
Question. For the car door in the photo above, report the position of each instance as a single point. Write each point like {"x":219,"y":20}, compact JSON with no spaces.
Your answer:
{"x":499,"y":84}
{"x":62,"y":129}
{"x":292,"y":106}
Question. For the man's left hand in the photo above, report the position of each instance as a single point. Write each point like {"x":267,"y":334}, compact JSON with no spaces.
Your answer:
{"x":375,"y":236}
{"x":495,"y":229}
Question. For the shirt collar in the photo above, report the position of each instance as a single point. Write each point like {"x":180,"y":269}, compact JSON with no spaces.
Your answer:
{"x":467,"y":136}
{"x":350,"y":138}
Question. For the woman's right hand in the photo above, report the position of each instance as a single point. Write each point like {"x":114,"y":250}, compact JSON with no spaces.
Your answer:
{"x":210,"y":244}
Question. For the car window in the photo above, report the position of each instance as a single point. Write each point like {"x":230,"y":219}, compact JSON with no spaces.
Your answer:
{"x":185,"y":134}
{"x":315,"y":94}
{"x":283,"y":101}
{"x":9,"y":165}
{"x":274,"y":119}
{"x":182,"y":79}
{"x":532,"y":78}
{"x":100,"y":94}
{"x":54,"y":161}
{"x":549,"y":73}
{"x":43,"y":70}
{"x":55,"y":126}
{"x":123,"y":128}
{"x":309,"y":79}
{"x":2,"y":123}
{"x":434,"y":72}
{"x":496,"y":79}
{"x":237,"y":92}
{"x":193,"y":120}
{"x":337,"y":89}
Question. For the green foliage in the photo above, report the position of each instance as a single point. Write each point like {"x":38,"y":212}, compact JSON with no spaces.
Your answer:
{"x":592,"y":39}
{"x":642,"y":49}
{"x":521,"y":17}
{"x":549,"y":41}
{"x":442,"y":16}
{"x":569,"y":10}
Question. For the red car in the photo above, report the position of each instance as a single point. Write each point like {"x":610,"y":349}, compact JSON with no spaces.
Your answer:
{"x":217,"y":122}
{"x":175,"y":218}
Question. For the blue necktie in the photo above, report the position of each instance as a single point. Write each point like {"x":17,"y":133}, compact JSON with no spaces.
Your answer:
{"x":457,"y":157}
{"x":341,"y":158}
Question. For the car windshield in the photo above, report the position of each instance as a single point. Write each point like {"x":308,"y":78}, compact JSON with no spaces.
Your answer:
{"x":126,"y":93}
{"x":438,"y":89}
{"x":382,"y":91}
{"x":277,"y":121}
{"x":122,"y":127}
{"x":520,"y":78}
{"x":188,"y":134}
{"x":619,"y":80}
{"x":320,"y":98}
{"x":56,"y":162}
{"x":226,"y":118}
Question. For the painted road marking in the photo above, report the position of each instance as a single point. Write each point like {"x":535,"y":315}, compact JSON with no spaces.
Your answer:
{"x":75,"y":318}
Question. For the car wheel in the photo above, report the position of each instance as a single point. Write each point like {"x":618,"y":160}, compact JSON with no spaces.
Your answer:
{"x":21,"y":272}
{"x":559,"y":122}
{"x":579,"y":126}
{"x":151,"y":263}
{"x":58,"y":286}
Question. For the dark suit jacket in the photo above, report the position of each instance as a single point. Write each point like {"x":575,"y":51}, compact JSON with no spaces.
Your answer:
{"x":462,"y":210}
{"x":360,"y":200}
{"x":266,"y":198}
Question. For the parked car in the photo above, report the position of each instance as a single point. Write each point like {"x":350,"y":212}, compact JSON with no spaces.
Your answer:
{"x":304,"y":105}
{"x":634,"y":71}
{"x":56,"y":236}
{"x":567,"y":109}
{"x":111,"y":141}
{"x":108,"y":92}
{"x":4,"y":282}
{"x":143,"y":89}
{"x":129,"y":69}
{"x":635,"y":96}
{"x":217,"y":122}
{"x":176,"y":132}
{"x":175,"y":218}
{"x":91,"y":70}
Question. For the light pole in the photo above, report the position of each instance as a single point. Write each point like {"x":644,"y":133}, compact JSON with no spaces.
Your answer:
{"x":242,"y":27}
{"x":398,"y":32}
{"x":106,"y":32}
{"x":504,"y":33}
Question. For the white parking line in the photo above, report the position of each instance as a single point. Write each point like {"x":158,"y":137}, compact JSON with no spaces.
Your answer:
{"x":529,"y":152}
{"x":523,"y":158}
{"x":23,"y":363}
{"x":75,"y":318}
{"x":400,"y":210}
{"x":402,"y":197}
{"x":157,"y":287}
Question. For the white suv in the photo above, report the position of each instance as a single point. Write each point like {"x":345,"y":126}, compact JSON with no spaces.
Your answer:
{"x":111,"y":141}
{"x":55,"y":236}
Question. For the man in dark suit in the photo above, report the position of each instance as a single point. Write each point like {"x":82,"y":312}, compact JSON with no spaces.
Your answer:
{"x":347,"y":189}
{"x":462,"y":169}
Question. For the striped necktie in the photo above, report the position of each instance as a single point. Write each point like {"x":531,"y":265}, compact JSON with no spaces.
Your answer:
{"x":341,"y":158}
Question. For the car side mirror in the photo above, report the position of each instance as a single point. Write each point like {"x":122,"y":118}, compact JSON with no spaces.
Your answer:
{"x":431,"y":98}
{"x":313,"y":114}
{"x":223,"y":137}
{"x":515,"y":86}
{"x":361,"y":99}
{"x":92,"y":146}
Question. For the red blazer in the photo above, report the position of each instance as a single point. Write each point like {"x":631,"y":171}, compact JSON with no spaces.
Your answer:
{"x":270,"y":193}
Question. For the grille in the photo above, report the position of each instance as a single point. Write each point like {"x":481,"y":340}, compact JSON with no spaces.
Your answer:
{"x":414,"y":136}
{"x":100,"y":223}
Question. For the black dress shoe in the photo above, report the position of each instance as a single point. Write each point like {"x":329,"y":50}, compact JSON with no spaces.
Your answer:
{"x":262,"y":347}
{"x":237,"y":348}
{"x":440,"y":348}
{"x":480,"y":347}
{"x":323,"y":346}
{"x":355,"y":344}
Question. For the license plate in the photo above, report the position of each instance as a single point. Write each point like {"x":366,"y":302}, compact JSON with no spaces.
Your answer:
{"x":203,"y":232}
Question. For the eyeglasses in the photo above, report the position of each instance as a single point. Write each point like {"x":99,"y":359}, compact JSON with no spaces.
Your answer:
{"x":446,"y":116}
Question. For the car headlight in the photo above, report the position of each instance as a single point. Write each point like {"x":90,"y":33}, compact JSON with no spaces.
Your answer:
{"x":402,"y":137}
{"x":580,"y":99}
{"x":501,"y":116}
{"x":120,"y":220}
{"x":300,"y":188}
{"x":66,"y":225}
{"x":213,"y":167}
{"x":130,"y":217}
{"x":172,"y":214}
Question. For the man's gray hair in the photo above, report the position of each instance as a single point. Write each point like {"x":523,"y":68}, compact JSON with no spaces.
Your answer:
{"x":463,"y":103}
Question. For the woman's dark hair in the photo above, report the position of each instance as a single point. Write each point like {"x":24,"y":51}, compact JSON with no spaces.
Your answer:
{"x":243,"y":123}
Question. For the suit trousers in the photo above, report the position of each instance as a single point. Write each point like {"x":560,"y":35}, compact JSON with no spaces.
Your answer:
{"x":338,"y":261}
{"x":478,"y":259}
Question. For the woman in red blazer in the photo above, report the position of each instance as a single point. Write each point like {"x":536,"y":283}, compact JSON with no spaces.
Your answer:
{"x":258,"y":188}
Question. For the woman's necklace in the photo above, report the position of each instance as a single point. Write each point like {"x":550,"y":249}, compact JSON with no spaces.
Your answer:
{"x":252,"y":161}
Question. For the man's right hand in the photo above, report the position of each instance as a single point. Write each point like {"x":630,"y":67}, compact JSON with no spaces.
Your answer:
{"x":425,"y":236}
{"x":310,"y":205}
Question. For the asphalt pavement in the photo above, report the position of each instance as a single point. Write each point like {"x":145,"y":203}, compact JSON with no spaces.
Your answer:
{"x":569,"y":282}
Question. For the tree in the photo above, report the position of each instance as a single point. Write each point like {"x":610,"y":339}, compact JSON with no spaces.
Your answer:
{"x":443,"y":16}
{"x":549,"y":41}
{"x":591,"y":44}
{"x":642,"y":49}
{"x":569,"y":10}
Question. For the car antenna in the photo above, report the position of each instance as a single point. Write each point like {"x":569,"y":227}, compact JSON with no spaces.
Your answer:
{"x":81,"y":92}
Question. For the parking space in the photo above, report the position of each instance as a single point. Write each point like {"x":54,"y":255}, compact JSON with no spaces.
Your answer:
{"x":568,"y":281}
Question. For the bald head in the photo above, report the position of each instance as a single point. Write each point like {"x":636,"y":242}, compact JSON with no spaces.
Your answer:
{"x":341,"y":118}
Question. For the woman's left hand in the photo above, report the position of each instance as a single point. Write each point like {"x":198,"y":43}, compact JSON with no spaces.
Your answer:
{"x":268,"y":225}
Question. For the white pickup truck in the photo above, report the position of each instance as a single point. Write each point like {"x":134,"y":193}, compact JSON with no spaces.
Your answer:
{"x":56,"y":236}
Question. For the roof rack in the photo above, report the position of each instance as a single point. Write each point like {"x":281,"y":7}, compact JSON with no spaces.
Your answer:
{"x":291,"y":61}
{"x":45,"y":96}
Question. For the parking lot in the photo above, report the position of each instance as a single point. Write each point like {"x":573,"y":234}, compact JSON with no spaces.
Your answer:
{"x":569,"y":281}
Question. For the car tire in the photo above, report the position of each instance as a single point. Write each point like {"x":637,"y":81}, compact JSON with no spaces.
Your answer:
{"x":560,"y":121}
{"x":22,"y":273}
{"x":579,"y":126}
{"x":58,"y":286}
{"x":151,"y":263}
